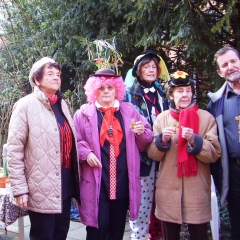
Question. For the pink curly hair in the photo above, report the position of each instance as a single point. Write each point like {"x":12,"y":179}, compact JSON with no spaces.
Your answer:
{"x":95,"y":82}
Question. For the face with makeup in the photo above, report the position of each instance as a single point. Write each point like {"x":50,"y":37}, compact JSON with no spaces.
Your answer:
{"x":148,"y":72}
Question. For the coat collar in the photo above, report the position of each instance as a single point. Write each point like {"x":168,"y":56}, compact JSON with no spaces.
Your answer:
{"x":43,"y":99}
{"x":89,"y":109}
{"x":217,"y":95}
{"x":135,"y":89}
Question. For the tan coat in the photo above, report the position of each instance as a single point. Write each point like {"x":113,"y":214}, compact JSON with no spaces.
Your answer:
{"x":185,"y":199}
{"x":34,"y":154}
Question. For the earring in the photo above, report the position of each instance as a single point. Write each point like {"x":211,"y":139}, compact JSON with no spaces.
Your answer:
{"x":39,"y":85}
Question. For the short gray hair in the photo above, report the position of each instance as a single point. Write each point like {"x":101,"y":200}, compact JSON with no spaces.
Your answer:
{"x":223,"y":50}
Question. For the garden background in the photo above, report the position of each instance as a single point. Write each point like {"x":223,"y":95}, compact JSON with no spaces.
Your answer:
{"x":185,"y":33}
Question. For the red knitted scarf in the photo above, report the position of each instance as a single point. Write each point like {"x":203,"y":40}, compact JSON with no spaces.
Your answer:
{"x":187,"y":163}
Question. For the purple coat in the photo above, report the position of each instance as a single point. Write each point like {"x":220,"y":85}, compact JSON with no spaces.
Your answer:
{"x":86,"y":123}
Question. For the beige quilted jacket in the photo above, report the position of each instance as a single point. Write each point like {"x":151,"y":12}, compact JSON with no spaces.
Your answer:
{"x":34,"y":155}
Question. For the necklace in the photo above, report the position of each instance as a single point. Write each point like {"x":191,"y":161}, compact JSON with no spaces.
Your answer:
{"x":110,"y":130}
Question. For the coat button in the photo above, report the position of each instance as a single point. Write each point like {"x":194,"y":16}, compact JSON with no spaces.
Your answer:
{"x":57,"y":174}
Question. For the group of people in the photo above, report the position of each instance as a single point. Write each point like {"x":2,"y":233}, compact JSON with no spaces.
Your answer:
{"x":147,"y":150}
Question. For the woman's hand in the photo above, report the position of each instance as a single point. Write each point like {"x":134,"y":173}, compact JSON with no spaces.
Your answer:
{"x":168,"y":133}
{"x":188,"y":134}
{"x":138,"y":128}
{"x":93,"y":161}
{"x":22,"y":200}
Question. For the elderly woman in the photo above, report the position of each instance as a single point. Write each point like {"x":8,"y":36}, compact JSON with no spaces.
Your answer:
{"x":149,"y":98}
{"x":186,"y":142}
{"x":110,"y":134}
{"x":42,"y":155}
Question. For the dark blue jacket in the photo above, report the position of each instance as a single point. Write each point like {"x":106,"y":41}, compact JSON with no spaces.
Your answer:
{"x":220,"y":169}
{"x":135,"y":96}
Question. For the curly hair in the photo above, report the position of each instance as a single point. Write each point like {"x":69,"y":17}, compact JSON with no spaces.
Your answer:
{"x":95,"y":82}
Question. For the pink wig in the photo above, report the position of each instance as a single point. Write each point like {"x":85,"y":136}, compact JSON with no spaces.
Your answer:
{"x":95,"y":82}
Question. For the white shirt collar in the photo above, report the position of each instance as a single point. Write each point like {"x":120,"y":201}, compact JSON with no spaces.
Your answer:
{"x":116,"y":104}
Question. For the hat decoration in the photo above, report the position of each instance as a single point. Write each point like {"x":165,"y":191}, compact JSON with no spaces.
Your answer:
{"x":103,"y":54}
{"x":164,"y":75}
{"x":179,"y":78}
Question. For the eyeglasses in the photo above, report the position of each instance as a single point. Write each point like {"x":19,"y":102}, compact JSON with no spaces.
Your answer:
{"x":108,"y":87}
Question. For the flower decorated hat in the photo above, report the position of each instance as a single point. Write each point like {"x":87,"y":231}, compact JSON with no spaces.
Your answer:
{"x":180,"y":79}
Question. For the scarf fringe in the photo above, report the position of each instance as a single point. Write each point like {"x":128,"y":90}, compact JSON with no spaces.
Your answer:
{"x":187,"y":168}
